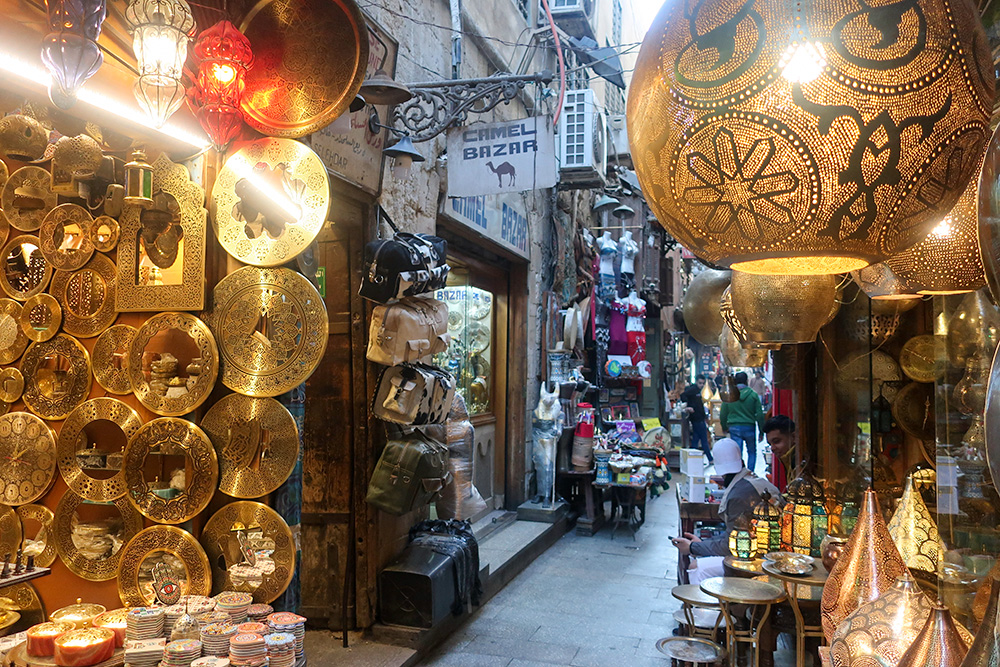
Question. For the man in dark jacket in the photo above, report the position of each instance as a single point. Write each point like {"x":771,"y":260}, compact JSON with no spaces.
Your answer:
{"x":742,"y":418}
{"x":696,"y":416}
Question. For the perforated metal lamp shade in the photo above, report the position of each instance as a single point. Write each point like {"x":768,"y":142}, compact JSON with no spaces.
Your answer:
{"x":701,"y":305}
{"x":880,"y":282}
{"x":913,"y":530}
{"x":789,"y":137}
{"x":939,"y":644}
{"x":783,"y":309}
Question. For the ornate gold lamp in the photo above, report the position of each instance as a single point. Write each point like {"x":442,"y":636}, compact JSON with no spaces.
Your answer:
{"x":767,"y":524}
{"x":735,"y":355}
{"x":879,"y":282}
{"x":701,"y":311}
{"x":783,"y":309}
{"x":939,"y":644}
{"x":807,"y":518}
{"x":985,"y":648}
{"x":914,"y":531}
{"x":160,"y":32}
{"x":743,"y":540}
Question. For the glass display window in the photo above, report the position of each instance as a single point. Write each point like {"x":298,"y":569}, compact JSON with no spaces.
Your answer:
{"x":469,"y":357}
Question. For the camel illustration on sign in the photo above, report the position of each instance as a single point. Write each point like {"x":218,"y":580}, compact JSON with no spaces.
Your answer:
{"x":505,"y":169}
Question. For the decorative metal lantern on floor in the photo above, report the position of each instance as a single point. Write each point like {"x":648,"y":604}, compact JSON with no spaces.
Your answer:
{"x":807,"y":519}
{"x":767,"y":525}
{"x":743,"y":539}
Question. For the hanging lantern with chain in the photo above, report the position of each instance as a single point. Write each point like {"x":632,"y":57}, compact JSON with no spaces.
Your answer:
{"x":160,"y":30}
{"x":224,"y":56}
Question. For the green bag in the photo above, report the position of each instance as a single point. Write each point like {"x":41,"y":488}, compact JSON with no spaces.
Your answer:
{"x":410,"y":473}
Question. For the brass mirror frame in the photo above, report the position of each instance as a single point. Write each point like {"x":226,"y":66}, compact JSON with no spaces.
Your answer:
{"x":114,"y":380}
{"x":248,"y":513}
{"x":78,"y":564}
{"x":66,"y":260}
{"x":23,"y":434}
{"x":11,"y":385}
{"x":17,"y":341}
{"x":59,"y":407}
{"x":10,"y":531}
{"x":5,"y":252}
{"x":190,"y":294}
{"x":55,"y":318}
{"x":112,"y":242}
{"x":88,"y":327}
{"x":34,"y":177}
{"x":44,"y":516}
{"x":106,"y":408}
{"x":179,"y":543}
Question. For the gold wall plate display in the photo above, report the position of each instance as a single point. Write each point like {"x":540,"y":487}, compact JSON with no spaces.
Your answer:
{"x":111,"y":358}
{"x":91,"y":448}
{"x":161,"y":259}
{"x":924,"y":358}
{"x":104,"y":233}
{"x":913,"y":410}
{"x":270,"y":201}
{"x":257,"y":443}
{"x":176,"y":549}
{"x":173,"y":363}
{"x":4,"y":227}
{"x":12,"y":339}
{"x":41,"y":317}
{"x":91,"y":544}
{"x":23,"y":600}
{"x":65,"y":237}
{"x":11,"y":385}
{"x":27,"y":198}
{"x":87,"y":297}
{"x":272,"y":329}
{"x":171,"y":470}
{"x":40,"y":543}
{"x":251,"y":550}
{"x":26,"y":272}
{"x":56,"y":376}
{"x":27,"y":458}
{"x":10,"y":530}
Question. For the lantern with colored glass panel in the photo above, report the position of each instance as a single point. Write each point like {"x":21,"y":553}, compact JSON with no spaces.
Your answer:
{"x":224,"y":56}
{"x":743,"y":540}
{"x":820,"y":521}
{"x":805,"y":495}
{"x":767,"y":525}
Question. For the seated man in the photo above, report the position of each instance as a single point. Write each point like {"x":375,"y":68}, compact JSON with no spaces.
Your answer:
{"x":743,"y":493}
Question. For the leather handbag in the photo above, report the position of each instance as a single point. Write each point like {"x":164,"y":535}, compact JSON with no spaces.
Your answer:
{"x":415,"y":394}
{"x":409,"y":474}
{"x":407,"y":331}
{"x":406,"y":265}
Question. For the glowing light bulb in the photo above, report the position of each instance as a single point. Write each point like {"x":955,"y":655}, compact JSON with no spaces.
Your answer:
{"x":802,"y":63}
{"x":223,"y":73}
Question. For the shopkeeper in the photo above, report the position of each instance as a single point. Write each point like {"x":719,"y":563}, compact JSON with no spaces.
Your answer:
{"x":779,"y":431}
{"x":743,"y":493}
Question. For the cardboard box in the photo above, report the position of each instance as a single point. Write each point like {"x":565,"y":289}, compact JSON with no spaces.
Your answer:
{"x":696,"y":489}
{"x":692,"y":462}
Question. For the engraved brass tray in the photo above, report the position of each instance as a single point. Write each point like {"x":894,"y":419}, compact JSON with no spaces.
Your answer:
{"x":11,"y":385}
{"x":27,"y":458}
{"x":72,"y":439}
{"x":92,"y":569}
{"x":52,"y":236}
{"x":180,"y":545}
{"x":87,"y":297}
{"x":39,"y":182}
{"x":12,"y":338}
{"x":10,"y":531}
{"x":28,"y":276}
{"x":104,"y":233}
{"x":23,"y":600}
{"x":41,"y":317}
{"x":110,"y":356}
{"x":56,"y":377}
{"x":44,"y":516}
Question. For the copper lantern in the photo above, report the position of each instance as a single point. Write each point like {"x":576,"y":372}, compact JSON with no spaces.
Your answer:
{"x":783,"y":309}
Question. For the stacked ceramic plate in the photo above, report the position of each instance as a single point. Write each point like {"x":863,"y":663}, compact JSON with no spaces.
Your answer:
{"x":280,"y":649}
{"x":286,"y":621}
{"x":144,"y":652}
{"x":247,"y":650}
{"x":197,"y":604}
{"x":210,"y":661}
{"x":181,"y":653}
{"x":259,"y":612}
{"x":215,"y":638}
{"x":210,"y":617}
{"x":170,"y":616}
{"x":235,"y":604}
{"x":252,"y":627}
{"x":144,"y":623}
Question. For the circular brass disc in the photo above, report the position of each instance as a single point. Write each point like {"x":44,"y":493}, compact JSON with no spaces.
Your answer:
{"x":41,"y":317}
{"x":181,"y":545}
{"x":913,"y":410}
{"x":11,"y":385}
{"x":38,"y":180}
{"x":923,"y":358}
{"x":180,"y":403}
{"x":27,"y":458}
{"x":108,"y":409}
{"x":23,"y":600}
{"x":278,"y":167}
{"x":10,"y":531}
{"x":262,"y":526}
{"x":256,"y":441}
{"x":4,"y":227}
{"x":43,"y":515}
{"x":87,"y":297}
{"x":52,"y":236}
{"x":171,"y":436}
{"x":111,"y":359}
{"x":12,"y":338}
{"x":29,"y":279}
{"x":54,"y":392}
{"x":100,"y":569}
{"x":272,"y":330}
{"x":104,"y":233}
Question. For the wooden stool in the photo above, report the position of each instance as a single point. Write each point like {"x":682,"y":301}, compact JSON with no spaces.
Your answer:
{"x":690,"y":650}
{"x":755,"y":594}
{"x":700,"y":612}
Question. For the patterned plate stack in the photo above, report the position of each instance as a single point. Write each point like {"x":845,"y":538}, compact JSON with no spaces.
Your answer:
{"x":210,"y":661}
{"x":197,"y":604}
{"x":247,"y":650}
{"x":235,"y":604}
{"x":286,"y":621}
{"x":280,"y":649}
{"x":181,"y":653}
{"x":144,"y":623}
{"x":252,"y":628}
{"x":210,"y":617}
{"x":259,"y":612}
{"x":144,"y":652}
{"x":215,"y":638}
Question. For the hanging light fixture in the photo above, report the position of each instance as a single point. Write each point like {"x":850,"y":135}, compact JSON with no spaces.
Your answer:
{"x":879,"y":282}
{"x":701,"y":311}
{"x":70,"y":50}
{"x":735,"y":355}
{"x":139,"y":180}
{"x":623,"y":212}
{"x":404,"y":154}
{"x":783,"y":309}
{"x":985,"y":648}
{"x":767,"y":524}
{"x":383,"y":89}
{"x":784,"y":137}
{"x":913,"y":530}
{"x":160,"y":31}
{"x":939,"y":644}
{"x":605,"y":203}
{"x":224,"y":56}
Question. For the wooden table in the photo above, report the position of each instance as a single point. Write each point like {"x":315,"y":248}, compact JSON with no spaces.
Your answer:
{"x":579,"y":485}
{"x":691,"y":512}
{"x":628,"y":498}
{"x":814,"y":579}
{"x":739,"y":591}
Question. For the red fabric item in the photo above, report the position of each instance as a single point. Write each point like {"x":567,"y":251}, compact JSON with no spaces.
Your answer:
{"x":636,"y":346}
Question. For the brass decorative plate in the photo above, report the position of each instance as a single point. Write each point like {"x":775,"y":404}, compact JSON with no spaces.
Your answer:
{"x":87,"y":297}
{"x":33,"y":183}
{"x":250,"y":225}
{"x":248,"y":526}
{"x":56,"y":377}
{"x":23,"y":600}
{"x":12,"y":338}
{"x":104,"y":233}
{"x":913,"y":410}
{"x":41,"y":317}
{"x":169,"y":436}
{"x":11,"y":385}
{"x":924,"y":358}
{"x":272,"y":329}
{"x":25,"y":271}
{"x":4,"y":227}
{"x":74,"y":436}
{"x":10,"y":531}
{"x":65,"y":237}
{"x":257,"y":443}
{"x":27,"y":458}
{"x":92,"y":565}
{"x":111,"y":359}
{"x":295,"y":87}
{"x":43,"y":546}
{"x":175,"y":548}
{"x":178,"y":386}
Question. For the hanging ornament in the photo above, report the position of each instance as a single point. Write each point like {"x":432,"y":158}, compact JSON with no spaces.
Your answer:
{"x":70,"y":50}
{"x":701,"y":305}
{"x":160,"y":30}
{"x":783,"y":309}
{"x":224,"y":56}
{"x":913,"y":530}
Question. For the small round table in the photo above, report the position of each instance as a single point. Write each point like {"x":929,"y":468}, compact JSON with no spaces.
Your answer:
{"x":700,"y":612}
{"x":738,"y":591}
{"x":816,"y":579}
{"x":691,"y":650}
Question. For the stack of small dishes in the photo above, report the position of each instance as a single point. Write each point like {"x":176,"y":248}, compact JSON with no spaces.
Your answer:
{"x":181,"y":653}
{"x":235,"y":604}
{"x":215,"y":638}
{"x":144,"y":623}
{"x":247,"y":650}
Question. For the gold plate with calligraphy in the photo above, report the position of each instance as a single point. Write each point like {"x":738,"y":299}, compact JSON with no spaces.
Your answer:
{"x":4,"y":227}
{"x":56,"y":376}
{"x":12,"y":339}
{"x":43,"y":543}
{"x":156,"y":450}
{"x":41,"y":317}
{"x":272,"y":330}
{"x":257,"y":443}
{"x":26,"y":272}
{"x":27,"y":198}
{"x":27,"y":458}
{"x":65,"y":237}
{"x":270,"y":201}
{"x":111,"y":359}
{"x":105,"y":425}
{"x":10,"y":531}
{"x":251,"y":550}
{"x":87,"y":297}
{"x":174,"y":548}
{"x":104,"y":233}
{"x":104,"y":529}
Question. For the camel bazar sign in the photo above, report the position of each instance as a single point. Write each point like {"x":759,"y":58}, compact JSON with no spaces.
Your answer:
{"x":497,"y":158}
{"x":501,"y":218}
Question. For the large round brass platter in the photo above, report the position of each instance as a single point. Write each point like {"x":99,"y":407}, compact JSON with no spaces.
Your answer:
{"x":43,"y":547}
{"x":913,"y":410}
{"x":56,"y":377}
{"x":41,"y":317}
{"x":12,"y":338}
{"x":65,"y":237}
{"x":250,"y":226}
{"x":4,"y":227}
{"x":177,"y":550}
{"x":92,"y":564}
{"x":179,"y":386}
{"x":111,"y":359}
{"x":87,"y":297}
{"x":28,"y":185}
{"x":10,"y":531}
{"x":84,"y":427}
{"x":24,"y":271}
{"x":23,"y":600}
{"x":310,"y":58}
{"x":27,"y":458}
{"x":256,"y":441}
{"x":242,"y":527}
{"x":11,"y":385}
{"x":272,"y":329}
{"x":170,"y":437}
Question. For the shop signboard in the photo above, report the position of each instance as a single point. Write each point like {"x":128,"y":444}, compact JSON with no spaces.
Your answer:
{"x":499,"y":158}
{"x":501,"y":218}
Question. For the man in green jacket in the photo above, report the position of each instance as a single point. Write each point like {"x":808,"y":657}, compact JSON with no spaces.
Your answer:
{"x":742,"y":418}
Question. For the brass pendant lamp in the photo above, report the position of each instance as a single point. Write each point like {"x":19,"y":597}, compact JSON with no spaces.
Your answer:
{"x":914,"y":531}
{"x":783,"y":309}
{"x":701,"y":305}
{"x":939,"y":644}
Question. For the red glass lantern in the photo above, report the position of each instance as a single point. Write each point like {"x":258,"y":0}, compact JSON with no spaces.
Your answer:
{"x":224,"y":56}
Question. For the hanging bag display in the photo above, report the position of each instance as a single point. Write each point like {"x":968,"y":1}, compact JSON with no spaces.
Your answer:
{"x":406,"y":265}
{"x":414,"y":394}
{"x":410,"y":473}
{"x":408,"y":330}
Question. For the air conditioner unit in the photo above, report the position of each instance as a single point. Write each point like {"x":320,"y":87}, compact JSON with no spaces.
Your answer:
{"x":583,"y":141}
{"x":618,"y":140}
{"x":573,"y":16}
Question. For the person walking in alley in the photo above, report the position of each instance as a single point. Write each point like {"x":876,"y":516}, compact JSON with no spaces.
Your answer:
{"x":696,"y":416}
{"x":741,"y":419}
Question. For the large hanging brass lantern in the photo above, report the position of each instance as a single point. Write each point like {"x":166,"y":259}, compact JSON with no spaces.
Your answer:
{"x":701,"y":305}
{"x":879,"y":282}
{"x":989,"y":214}
{"x":783,"y":309}
{"x":790,"y":137}
{"x":735,"y":355}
